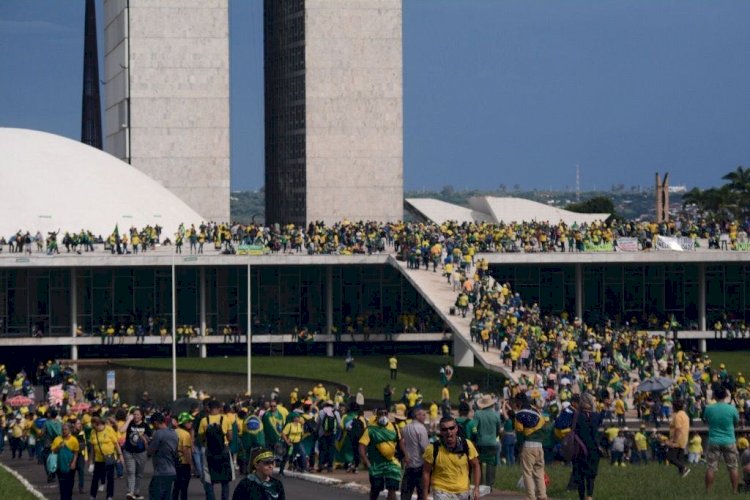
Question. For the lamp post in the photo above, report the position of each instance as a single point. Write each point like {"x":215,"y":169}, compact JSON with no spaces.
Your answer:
{"x":249,"y":331}
{"x":174,"y":333}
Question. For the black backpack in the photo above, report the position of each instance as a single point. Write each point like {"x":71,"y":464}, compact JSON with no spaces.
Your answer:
{"x":358,"y":428}
{"x":330,"y":425}
{"x":215,"y":437}
{"x":309,"y":426}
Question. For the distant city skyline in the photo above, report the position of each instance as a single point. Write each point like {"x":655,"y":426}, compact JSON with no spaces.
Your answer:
{"x":512,"y":92}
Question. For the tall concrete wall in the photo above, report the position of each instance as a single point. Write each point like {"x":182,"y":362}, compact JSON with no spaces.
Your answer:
{"x":167,"y":95}
{"x":354,"y":109}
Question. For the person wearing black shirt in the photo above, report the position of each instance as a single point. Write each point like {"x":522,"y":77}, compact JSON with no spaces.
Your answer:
{"x":137,"y":435}
{"x":260,"y":485}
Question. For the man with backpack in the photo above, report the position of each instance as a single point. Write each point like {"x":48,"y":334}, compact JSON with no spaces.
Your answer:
{"x":67,"y":449}
{"x":448,"y":465}
{"x":52,"y":428}
{"x":358,"y":426}
{"x":329,"y":425}
{"x":292,"y":436}
{"x":215,"y":432}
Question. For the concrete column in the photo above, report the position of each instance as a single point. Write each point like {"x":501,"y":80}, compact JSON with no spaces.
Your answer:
{"x":702,"y":298}
{"x":702,"y":346}
{"x":329,"y":309}
{"x":462,"y":354}
{"x":579,"y":291}
{"x":202,"y":299}
{"x":73,"y":315}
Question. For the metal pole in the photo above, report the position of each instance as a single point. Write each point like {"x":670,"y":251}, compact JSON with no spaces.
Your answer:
{"x":249,"y":333}
{"x":329,"y":309}
{"x":73,"y":315}
{"x":203,"y":311}
{"x":579,"y":291}
{"x":174,"y":333}
{"x":702,"y":297}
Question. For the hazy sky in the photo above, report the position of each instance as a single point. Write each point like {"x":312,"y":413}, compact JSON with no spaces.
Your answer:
{"x":495,"y":91}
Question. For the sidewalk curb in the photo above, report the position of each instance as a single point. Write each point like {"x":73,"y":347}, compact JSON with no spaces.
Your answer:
{"x":313,"y":478}
{"x":24,"y":482}
{"x":350,"y":485}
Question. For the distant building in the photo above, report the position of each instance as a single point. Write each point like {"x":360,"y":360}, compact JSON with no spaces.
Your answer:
{"x":497,"y":210}
{"x":166,"y":67}
{"x":334,"y":110}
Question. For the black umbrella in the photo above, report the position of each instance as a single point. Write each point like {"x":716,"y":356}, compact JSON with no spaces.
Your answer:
{"x":655,"y":384}
{"x":183,"y":404}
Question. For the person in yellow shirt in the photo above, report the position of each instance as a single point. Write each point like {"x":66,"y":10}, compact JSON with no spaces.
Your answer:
{"x":641,"y":446}
{"x":67,"y":449}
{"x":620,"y":410}
{"x":447,"y":463}
{"x":184,"y":454}
{"x":695,"y":448}
{"x":679,"y":431}
{"x":17,"y":437}
{"x":445,"y":394}
{"x":433,"y":417}
{"x":742,"y":443}
{"x":292,"y":436}
{"x":217,"y":461}
{"x":411,"y":398}
{"x":105,"y":444}
{"x":393,"y":364}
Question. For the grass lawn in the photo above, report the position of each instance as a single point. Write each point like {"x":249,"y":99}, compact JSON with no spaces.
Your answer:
{"x":11,"y":488}
{"x":735,"y":360}
{"x":632,"y":482}
{"x":370,"y":372}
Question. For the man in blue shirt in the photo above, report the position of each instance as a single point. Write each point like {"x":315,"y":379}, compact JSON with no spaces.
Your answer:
{"x":721,"y":418}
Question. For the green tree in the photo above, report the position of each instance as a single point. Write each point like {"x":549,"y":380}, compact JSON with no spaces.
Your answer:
{"x":595,"y":205}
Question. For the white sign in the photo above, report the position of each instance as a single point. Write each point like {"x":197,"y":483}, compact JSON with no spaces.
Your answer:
{"x":110,"y":383}
{"x":627,"y":244}
{"x":680,"y":244}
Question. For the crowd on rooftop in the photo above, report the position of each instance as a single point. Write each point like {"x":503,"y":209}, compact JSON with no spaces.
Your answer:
{"x":348,"y":237}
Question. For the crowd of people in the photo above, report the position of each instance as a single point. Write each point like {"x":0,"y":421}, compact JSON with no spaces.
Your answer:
{"x":411,"y":240}
{"x":406,"y":443}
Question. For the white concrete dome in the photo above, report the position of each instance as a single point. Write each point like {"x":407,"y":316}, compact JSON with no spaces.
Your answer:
{"x":51,"y":182}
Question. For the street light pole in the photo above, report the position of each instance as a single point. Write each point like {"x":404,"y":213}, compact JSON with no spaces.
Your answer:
{"x":174,"y":333}
{"x":249,"y":331}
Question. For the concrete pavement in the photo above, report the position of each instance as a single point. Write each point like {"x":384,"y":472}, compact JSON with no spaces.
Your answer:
{"x":295,"y":488}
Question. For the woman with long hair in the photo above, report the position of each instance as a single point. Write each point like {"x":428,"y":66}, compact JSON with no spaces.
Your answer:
{"x":107,"y":453}
{"x":137,"y":434}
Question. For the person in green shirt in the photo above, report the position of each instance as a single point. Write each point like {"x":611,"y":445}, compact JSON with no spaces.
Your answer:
{"x":273,"y":423}
{"x":488,"y":428}
{"x":377,"y":448}
{"x":721,"y":417}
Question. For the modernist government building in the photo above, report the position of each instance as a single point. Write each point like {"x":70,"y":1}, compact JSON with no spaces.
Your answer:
{"x":334,"y":151}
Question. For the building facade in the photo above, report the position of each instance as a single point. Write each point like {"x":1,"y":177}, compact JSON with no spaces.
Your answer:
{"x":167,"y":95}
{"x":334,"y":110}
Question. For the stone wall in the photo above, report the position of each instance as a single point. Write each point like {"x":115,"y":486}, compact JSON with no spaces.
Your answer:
{"x":170,"y":58}
{"x":354,"y":109}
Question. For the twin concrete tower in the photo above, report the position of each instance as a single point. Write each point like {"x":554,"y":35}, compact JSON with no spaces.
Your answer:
{"x":333,"y":104}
